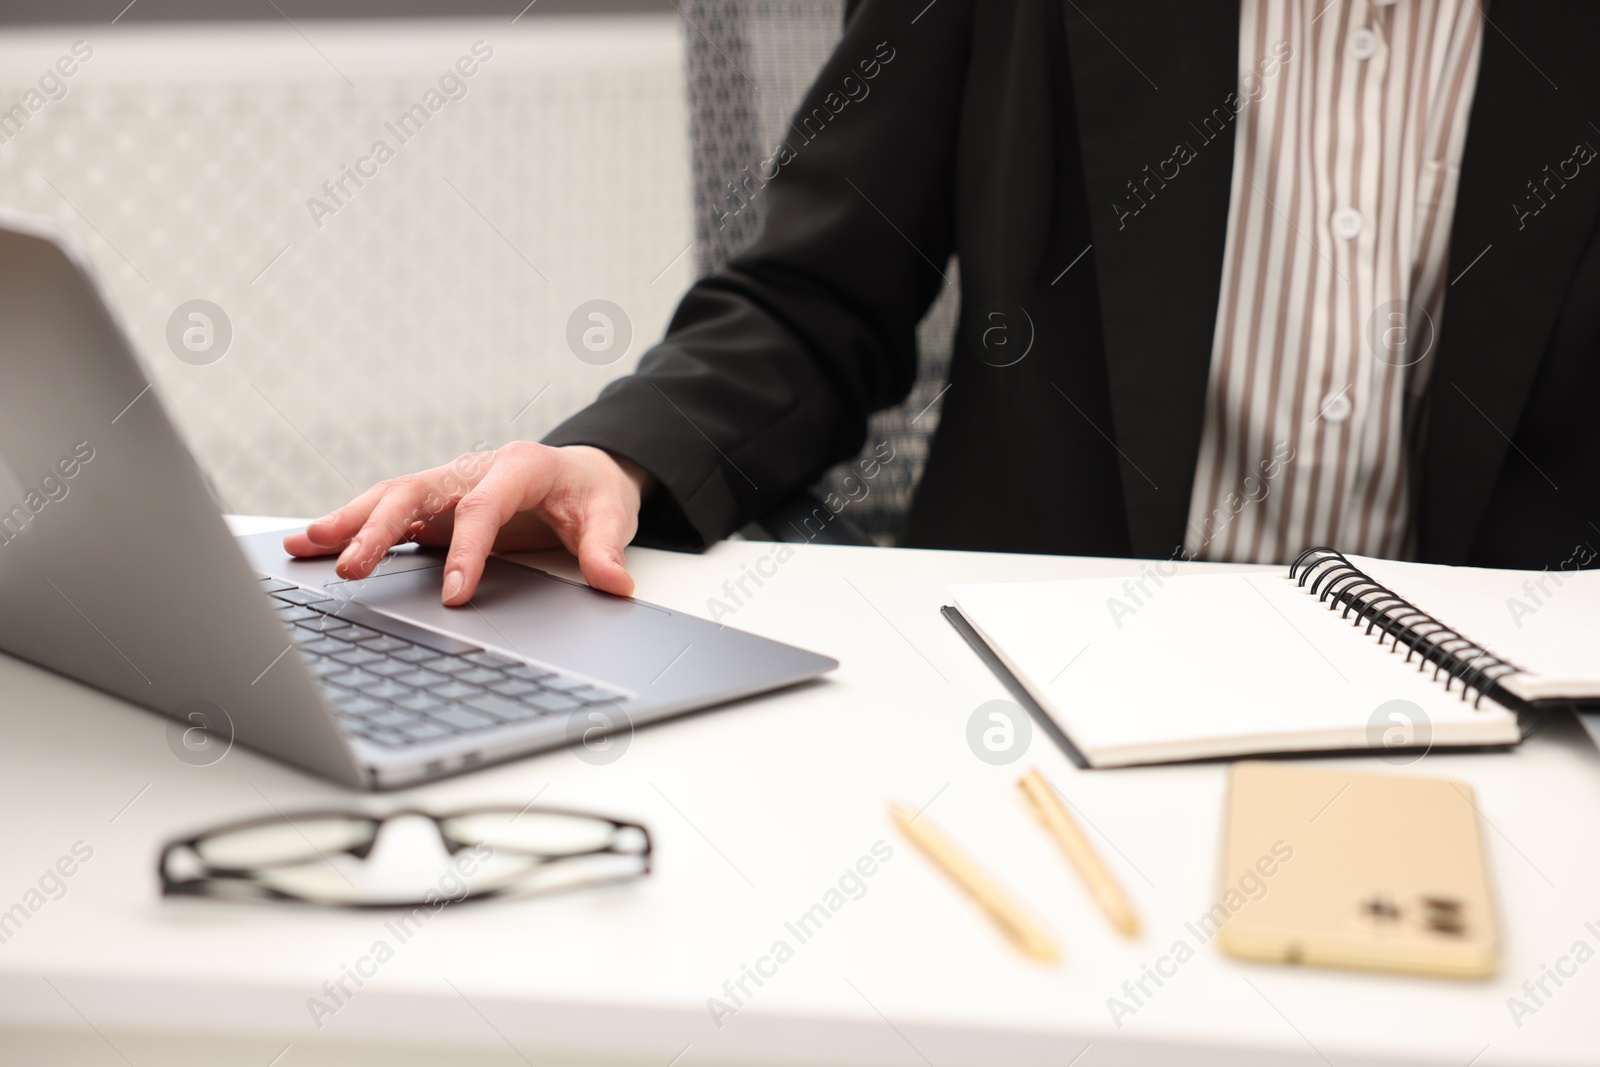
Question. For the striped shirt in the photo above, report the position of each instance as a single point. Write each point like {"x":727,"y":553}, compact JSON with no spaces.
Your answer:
{"x":1351,"y":118}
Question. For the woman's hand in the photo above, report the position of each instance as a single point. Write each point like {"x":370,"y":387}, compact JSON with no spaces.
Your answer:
{"x":519,"y":497}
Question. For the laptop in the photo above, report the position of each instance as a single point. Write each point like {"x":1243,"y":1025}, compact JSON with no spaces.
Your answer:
{"x":118,"y":570}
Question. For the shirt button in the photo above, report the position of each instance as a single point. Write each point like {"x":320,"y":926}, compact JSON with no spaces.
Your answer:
{"x":1336,"y":408}
{"x":1363,"y":44}
{"x":1346,"y":223}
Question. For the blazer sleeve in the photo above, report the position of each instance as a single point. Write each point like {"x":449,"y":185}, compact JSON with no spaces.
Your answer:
{"x":770,"y":368}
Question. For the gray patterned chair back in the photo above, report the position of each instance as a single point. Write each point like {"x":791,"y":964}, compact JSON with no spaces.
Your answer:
{"x":749,"y":64}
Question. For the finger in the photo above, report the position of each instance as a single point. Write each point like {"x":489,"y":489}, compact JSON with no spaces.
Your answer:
{"x":430,"y":533}
{"x":606,"y":530}
{"x":341,"y":524}
{"x":516,"y":480}
{"x":300,"y":544}
{"x":408,"y":501}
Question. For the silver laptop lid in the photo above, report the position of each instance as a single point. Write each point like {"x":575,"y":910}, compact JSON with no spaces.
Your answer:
{"x":116,"y":567}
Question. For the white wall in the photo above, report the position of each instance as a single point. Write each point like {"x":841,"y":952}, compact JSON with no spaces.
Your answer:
{"x":415,"y":320}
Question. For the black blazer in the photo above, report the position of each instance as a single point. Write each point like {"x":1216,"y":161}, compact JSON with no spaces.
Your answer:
{"x":1006,"y":132}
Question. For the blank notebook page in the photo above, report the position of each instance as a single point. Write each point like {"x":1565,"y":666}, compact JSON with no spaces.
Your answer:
{"x":1208,"y":665}
{"x":1551,"y":629}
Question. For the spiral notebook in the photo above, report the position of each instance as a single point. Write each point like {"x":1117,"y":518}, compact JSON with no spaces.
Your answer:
{"x":1335,"y":653}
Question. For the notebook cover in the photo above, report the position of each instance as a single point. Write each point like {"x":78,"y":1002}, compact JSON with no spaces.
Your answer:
{"x":1013,"y":684}
{"x":1036,"y":711}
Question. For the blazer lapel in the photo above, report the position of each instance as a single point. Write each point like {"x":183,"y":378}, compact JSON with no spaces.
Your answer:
{"x":1146,"y":77}
{"x":1525,"y":210}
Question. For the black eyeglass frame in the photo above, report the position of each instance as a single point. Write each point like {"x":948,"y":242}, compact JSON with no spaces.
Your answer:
{"x":210,"y":875}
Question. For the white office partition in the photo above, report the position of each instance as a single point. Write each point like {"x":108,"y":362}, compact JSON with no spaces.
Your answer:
{"x":388,"y":306}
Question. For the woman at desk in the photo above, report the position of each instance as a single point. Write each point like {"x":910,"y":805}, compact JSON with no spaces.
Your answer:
{"x":1230,"y":235}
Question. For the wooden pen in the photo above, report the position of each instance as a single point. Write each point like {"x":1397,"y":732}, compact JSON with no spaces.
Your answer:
{"x":1060,"y":824}
{"x":1023,"y":930}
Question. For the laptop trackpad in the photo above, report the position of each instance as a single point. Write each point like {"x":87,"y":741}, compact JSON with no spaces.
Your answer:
{"x":523,"y":610}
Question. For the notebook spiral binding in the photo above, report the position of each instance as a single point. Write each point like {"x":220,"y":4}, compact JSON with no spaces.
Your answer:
{"x":1334,"y":579}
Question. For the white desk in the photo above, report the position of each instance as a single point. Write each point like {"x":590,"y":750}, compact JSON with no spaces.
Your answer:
{"x":757,"y":810}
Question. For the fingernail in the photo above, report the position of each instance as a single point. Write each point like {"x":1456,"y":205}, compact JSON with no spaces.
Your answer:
{"x":348,"y":556}
{"x":452,"y":586}
{"x":329,"y":517}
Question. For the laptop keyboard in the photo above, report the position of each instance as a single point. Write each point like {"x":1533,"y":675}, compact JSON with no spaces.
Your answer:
{"x":400,"y":685}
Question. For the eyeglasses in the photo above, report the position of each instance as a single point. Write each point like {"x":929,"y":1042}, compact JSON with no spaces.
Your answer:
{"x":322,"y":857}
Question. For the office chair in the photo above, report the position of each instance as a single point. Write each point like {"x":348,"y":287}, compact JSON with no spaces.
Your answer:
{"x":748,"y":64}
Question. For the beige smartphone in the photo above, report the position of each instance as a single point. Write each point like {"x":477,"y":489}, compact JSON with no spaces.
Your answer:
{"x":1343,"y":869}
